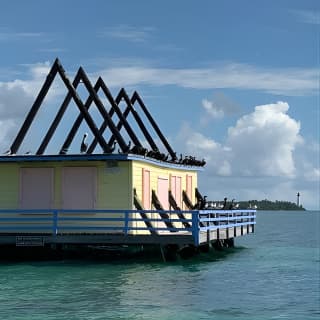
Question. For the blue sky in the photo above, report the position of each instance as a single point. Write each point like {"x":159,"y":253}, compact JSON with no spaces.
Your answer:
{"x":235,"y":82}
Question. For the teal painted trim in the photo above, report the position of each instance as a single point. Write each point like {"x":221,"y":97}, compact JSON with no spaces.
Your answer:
{"x":97,"y":157}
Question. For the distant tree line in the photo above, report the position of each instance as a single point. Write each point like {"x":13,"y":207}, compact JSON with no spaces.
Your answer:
{"x":270,"y":205}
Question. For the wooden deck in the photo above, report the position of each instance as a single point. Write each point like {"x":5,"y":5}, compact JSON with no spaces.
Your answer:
{"x":103,"y":227}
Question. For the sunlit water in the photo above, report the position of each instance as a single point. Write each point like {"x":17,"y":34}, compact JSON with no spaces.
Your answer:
{"x":272,"y":274}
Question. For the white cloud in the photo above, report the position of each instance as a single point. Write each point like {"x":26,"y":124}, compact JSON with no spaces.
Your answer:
{"x":196,"y":144}
{"x":8,"y":129}
{"x":259,"y":144}
{"x":7,"y":34}
{"x":307,"y":16}
{"x":212,"y":110}
{"x":263,"y":141}
{"x":282,"y":81}
{"x":16,"y":98}
{"x":218,"y":107}
{"x":128,"y":33}
{"x":257,"y":160}
{"x":313,"y":174}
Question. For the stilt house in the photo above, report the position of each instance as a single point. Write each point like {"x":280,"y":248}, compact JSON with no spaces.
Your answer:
{"x":116,"y":181}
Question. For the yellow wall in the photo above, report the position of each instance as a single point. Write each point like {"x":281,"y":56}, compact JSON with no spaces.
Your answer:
{"x":113,"y":183}
{"x":157,"y":171}
{"x":9,"y":185}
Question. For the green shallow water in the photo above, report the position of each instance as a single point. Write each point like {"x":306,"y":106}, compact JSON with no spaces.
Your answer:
{"x":273,"y":274}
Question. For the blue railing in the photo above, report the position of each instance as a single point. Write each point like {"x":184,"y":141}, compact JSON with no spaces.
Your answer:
{"x":59,"y":221}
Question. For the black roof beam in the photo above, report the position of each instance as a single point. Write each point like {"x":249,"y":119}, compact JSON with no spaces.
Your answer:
{"x":144,"y":130}
{"x":35,"y":107}
{"x":130,"y":108}
{"x":104,"y":113}
{"x":79,"y":120}
{"x":122,"y":119}
{"x":58,"y":117}
{"x":105,"y":124}
{"x":137,"y":98}
{"x":81,"y":106}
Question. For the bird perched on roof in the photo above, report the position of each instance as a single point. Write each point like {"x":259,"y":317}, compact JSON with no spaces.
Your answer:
{"x":113,"y":146}
{"x":8,"y":153}
{"x":231,"y":206}
{"x":225,"y":203}
{"x":84,"y":145}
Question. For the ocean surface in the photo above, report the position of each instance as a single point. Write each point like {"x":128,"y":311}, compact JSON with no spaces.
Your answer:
{"x":272,"y":274}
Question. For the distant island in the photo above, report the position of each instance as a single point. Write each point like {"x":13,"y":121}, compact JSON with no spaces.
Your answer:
{"x":270,"y":205}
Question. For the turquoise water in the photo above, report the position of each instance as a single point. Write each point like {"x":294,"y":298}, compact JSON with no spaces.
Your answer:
{"x":273,"y":274}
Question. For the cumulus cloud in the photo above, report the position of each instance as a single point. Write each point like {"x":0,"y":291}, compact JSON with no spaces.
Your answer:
{"x":212,"y":110}
{"x":259,"y":144}
{"x":218,"y":107}
{"x":263,"y":141}
{"x":16,"y":98}
{"x":196,"y":144}
{"x":262,"y":157}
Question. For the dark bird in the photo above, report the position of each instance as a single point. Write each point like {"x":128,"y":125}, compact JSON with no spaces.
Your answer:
{"x":224,"y":203}
{"x":84,"y":145}
{"x":174,"y":157}
{"x":204,"y":203}
{"x":128,"y":147}
{"x":113,"y":147}
{"x":8,"y":153}
{"x":64,"y":151}
{"x":231,"y":206}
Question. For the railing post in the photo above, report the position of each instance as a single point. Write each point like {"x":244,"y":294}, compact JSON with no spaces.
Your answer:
{"x":195,"y":227}
{"x":252,"y":220}
{"x":126,"y":222}
{"x":55,"y":223}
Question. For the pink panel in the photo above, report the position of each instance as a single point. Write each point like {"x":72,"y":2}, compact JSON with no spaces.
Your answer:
{"x":36,"y":188}
{"x":176,"y":189}
{"x":163,"y":188}
{"x":146,"y":193}
{"x":178,"y":194}
{"x":173,"y":185}
{"x":189,"y":187}
{"x":79,"y":187}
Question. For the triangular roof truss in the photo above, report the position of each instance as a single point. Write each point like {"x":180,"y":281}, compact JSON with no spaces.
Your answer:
{"x":134,"y":145}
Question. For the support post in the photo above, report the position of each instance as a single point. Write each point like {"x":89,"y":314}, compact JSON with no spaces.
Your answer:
{"x":55,"y":223}
{"x":195,"y":227}
{"x":126,"y":222}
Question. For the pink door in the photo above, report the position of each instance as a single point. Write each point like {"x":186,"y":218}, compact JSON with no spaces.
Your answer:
{"x":79,"y":187}
{"x":189,"y":187}
{"x":36,"y":188}
{"x":176,"y":189}
{"x":163,"y":189}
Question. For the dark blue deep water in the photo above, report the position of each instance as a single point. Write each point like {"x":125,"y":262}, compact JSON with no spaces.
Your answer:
{"x":272,"y":274}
